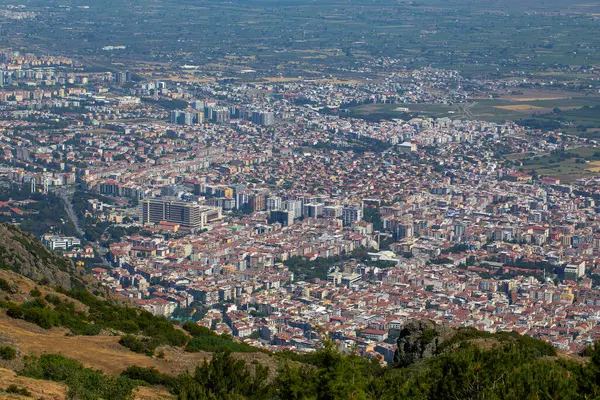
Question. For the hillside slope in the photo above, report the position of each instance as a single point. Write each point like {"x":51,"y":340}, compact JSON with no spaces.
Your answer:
{"x":101,"y":351}
{"x":23,"y":253}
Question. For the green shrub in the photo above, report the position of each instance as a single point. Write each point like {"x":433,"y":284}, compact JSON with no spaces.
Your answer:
{"x":35,"y":303}
{"x":92,"y":385}
{"x":43,"y":318}
{"x":197,"y":330}
{"x":203,"y":339}
{"x":14,"y":389}
{"x":149,"y":375}
{"x":15,"y":311}
{"x":137,"y":345}
{"x":225,"y":377}
{"x":5,"y":286}
{"x":7,"y":353}
{"x":213,"y":343}
{"x":82,"y":383}
{"x":51,"y":367}
{"x":53,"y":299}
{"x":132,"y":343}
{"x":91,"y":330}
{"x":35,"y":292}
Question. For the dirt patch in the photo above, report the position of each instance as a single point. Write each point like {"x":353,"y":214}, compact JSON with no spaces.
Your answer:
{"x":595,"y":166}
{"x":150,"y":393}
{"x":538,"y":98}
{"x":484,"y":343}
{"x":281,"y":79}
{"x":524,"y":108}
{"x":534,"y":95}
{"x":325,"y":81}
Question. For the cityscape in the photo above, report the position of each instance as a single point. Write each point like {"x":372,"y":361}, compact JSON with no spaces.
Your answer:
{"x":289,"y":205}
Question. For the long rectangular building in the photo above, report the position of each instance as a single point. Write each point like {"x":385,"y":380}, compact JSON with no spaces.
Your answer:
{"x":188,"y":215}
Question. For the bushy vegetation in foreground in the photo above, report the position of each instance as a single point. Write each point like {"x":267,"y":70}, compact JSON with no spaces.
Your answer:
{"x":82,"y":383}
{"x":52,"y":311}
{"x":142,"y":332}
{"x":512,"y":369}
{"x":203,"y":339}
{"x":471,"y":365}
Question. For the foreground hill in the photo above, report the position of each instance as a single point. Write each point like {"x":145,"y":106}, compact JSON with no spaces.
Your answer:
{"x":23,"y":253}
{"x":64,"y":342}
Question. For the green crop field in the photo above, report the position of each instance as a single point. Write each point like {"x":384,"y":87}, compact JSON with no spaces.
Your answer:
{"x":574,"y":110}
{"x":569,"y":166}
{"x":477,"y":38}
{"x":391,"y":111}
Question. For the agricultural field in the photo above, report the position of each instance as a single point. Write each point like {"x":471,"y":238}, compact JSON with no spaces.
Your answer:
{"x":498,"y":110}
{"x":376,"y":112}
{"x":579,"y":115}
{"x":568,"y":167}
{"x":291,"y":37}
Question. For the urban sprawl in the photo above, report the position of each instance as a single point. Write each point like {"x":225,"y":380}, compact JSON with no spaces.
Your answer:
{"x":280,"y":217}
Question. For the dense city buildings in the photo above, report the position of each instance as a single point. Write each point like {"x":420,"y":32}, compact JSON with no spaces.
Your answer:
{"x":268,"y":209}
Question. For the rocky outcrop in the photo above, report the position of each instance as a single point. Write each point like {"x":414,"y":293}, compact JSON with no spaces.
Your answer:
{"x":420,"y":340}
{"x":23,"y":253}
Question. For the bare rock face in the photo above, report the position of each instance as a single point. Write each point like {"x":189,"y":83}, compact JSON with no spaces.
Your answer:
{"x":420,"y":340}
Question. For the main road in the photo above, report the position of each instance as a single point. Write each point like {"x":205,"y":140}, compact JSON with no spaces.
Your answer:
{"x":65,"y":195}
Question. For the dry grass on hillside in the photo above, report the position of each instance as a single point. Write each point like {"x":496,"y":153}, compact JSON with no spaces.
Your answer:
{"x":38,"y":389}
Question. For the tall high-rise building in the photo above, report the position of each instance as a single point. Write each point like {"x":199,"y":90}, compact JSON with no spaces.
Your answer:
{"x":242,"y":200}
{"x":334,"y":211}
{"x":273,"y":203}
{"x":312,"y":210}
{"x":198,"y":105}
{"x":244,"y":114}
{"x":351,"y":214}
{"x":264,"y":118}
{"x":256,"y":202}
{"x":293,"y":205}
{"x":285,"y":218}
{"x":188,"y":215}
{"x":268,"y":118}
{"x":404,"y":230}
{"x":174,"y":116}
{"x":219,"y":115}
{"x":185,"y":117}
{"x":188,"y":118}
{"x":121,"y":77}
